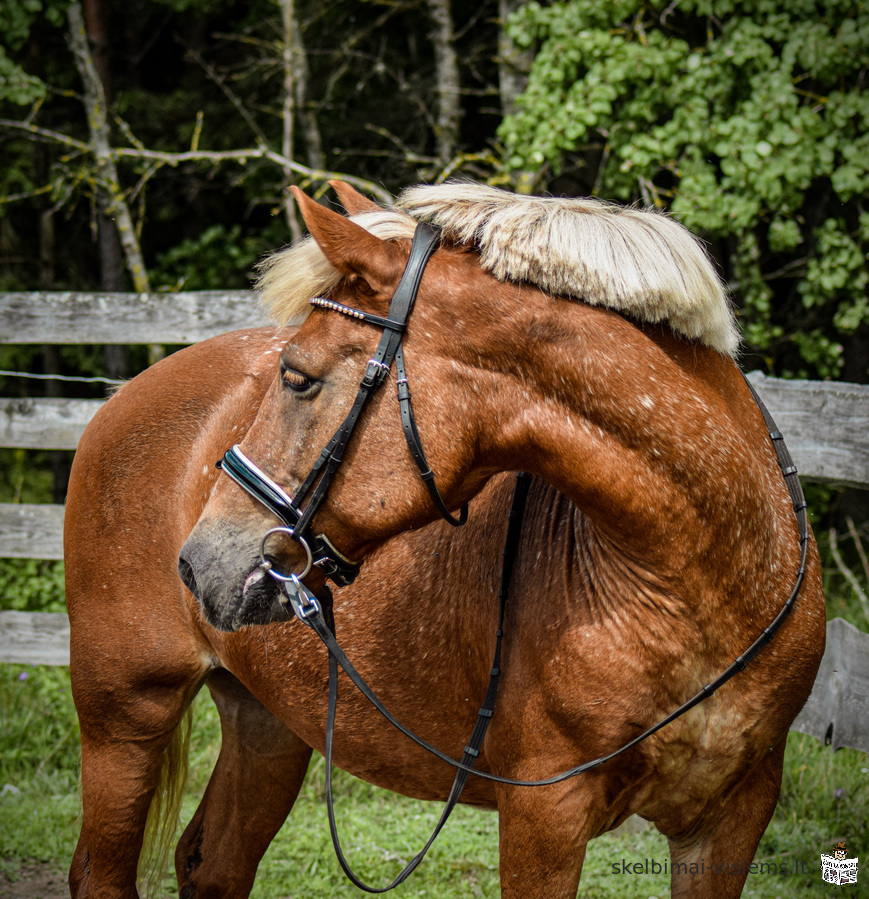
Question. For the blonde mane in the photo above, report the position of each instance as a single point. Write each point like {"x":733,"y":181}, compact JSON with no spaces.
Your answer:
{"x":640,"y":263}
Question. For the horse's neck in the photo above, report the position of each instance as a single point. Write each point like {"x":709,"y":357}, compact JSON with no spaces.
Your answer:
{"x":573,"y":558}
{"x":646,"y":437}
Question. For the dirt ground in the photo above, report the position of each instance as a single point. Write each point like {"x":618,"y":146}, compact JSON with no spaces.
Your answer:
{"x":37,"y":880}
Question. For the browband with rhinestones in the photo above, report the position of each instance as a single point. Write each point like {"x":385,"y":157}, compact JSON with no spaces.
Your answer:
{"x":368,"y":317}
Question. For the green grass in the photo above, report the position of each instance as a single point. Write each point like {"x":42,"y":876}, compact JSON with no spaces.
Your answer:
{"x":39,"y":801}
{"x":825,"y":797}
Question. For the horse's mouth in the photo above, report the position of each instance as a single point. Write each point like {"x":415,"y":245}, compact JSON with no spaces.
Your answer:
{"x":257,"y":601}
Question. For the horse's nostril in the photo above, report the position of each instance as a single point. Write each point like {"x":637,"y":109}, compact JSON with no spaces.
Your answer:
{"x":185,"y":571}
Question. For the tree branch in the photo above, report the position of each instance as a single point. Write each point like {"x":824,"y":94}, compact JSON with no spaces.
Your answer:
{"x":229,"y":94}
{"x":46,"y":134}
{"x":242,"y":156}
{"x":858,"y":545}
{"x":849,"y":575}
{"x":407,"y":154}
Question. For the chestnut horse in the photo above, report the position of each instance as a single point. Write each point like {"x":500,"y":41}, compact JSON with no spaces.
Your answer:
{"x":589,"y":345}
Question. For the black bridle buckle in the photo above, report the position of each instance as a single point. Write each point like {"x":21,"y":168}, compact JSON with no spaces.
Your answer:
{"x":375,"y":374}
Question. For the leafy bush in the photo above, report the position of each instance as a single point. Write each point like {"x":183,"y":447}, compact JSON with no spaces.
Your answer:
{"x":31,"y":585}
{"x":220,"y":257}
{"x":746,"y":120}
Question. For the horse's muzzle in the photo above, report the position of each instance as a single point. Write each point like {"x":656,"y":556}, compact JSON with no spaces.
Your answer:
{"x":223,"y":571}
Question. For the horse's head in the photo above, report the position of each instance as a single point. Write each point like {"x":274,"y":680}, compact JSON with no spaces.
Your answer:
{"x":506,"y":371}
{"x":377,"y":490}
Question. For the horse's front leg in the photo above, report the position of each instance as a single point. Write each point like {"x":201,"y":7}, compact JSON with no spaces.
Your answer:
{"x":543,"y":837}
{"x":258,"y":774}
{"x":130,"y":699}
{"x":711,"y":861}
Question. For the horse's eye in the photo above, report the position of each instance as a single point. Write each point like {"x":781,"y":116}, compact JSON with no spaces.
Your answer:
{"x":296,"y":381}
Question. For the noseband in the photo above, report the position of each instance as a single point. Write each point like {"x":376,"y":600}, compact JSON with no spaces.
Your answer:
{"x":319,"y":550}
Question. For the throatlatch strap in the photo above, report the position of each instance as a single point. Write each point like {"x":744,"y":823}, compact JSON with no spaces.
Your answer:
{"x":414,"y":444}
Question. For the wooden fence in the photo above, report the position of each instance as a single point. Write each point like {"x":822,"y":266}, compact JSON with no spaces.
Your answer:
{"x":826,"y":425}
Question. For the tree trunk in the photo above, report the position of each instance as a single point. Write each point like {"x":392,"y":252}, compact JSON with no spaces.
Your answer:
{"x":302,"y":73}
{"x":288,"y":58}
{"x":447,"y":84}
{"x":113,"y":203}
{"x":116,"y":206}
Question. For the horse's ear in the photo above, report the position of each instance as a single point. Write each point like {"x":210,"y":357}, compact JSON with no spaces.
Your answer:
{"x":353,"y":201}
{"x":351,"y":249}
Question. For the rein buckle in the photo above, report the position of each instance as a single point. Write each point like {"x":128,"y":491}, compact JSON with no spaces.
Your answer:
{"x":305,"y":604}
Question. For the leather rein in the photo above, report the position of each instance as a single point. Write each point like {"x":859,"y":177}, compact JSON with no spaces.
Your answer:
{"x":320,"y":552}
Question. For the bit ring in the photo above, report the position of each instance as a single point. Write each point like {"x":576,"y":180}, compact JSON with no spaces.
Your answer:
{"x":309,"y":559}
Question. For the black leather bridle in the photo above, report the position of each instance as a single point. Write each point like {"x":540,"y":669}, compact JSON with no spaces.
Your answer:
{"x":320,"y":551}
{"x":318,"y":548}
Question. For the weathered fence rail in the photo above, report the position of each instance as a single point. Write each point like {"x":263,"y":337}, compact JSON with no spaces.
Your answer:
{"x":28,"y":531}
{"x":826,"y":425}
{"x":124,"y":318}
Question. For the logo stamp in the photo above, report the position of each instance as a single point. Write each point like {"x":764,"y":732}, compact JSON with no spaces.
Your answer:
{"x":838,"y":869}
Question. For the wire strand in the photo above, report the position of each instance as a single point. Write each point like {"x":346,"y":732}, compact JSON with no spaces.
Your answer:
{"x":77,"y":378}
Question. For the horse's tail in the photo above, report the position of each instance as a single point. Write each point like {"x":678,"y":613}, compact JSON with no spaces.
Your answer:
{"x":164,"y":813}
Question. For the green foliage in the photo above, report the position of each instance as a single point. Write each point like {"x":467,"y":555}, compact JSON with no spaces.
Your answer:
{"x":220,"y":258}
{"x":824,"y":798}
{"x":32,"y":585}
{"x":747,"y":121}
{"x":39,"y":757}
{"x":40,"y":729}
{"x":16,"y":20}
{"x":24,"y":477}
{"x":16,"y":85}
{"x":19,"y":15}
